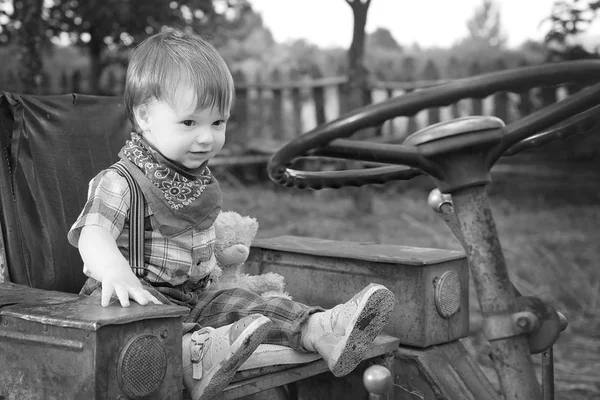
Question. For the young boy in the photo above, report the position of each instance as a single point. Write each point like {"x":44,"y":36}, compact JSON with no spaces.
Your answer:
{"x":178,"y":93}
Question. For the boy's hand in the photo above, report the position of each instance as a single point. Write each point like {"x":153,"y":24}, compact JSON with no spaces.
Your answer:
{"x":125,"y":285}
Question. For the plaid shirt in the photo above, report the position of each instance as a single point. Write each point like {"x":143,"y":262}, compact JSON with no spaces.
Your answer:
{"x":171,"y":260}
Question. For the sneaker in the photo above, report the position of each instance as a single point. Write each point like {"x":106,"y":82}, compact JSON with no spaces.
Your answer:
{"x":346,"y":331}
{"x":218,"y":353}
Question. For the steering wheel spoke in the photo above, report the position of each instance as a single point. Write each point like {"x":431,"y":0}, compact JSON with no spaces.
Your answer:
{"x":352,"y":177}
{"x":575,"y":114}
{"x":378,"y":152}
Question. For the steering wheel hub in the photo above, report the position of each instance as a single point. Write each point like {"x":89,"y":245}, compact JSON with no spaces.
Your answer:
{"x":475,"y":130}
{"x":459,"y":148}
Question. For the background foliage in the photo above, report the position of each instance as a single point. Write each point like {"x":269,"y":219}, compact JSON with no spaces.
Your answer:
{"x":100,"y":33}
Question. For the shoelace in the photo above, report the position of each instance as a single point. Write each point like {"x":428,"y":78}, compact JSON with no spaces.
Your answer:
{"x":336,"y":311}
{"x":198,"y":351}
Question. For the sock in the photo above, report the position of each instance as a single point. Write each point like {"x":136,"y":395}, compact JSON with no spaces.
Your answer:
{"x":310,"y":330}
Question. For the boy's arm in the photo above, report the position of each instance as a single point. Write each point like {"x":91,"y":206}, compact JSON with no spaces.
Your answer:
{"x":106,"y":264}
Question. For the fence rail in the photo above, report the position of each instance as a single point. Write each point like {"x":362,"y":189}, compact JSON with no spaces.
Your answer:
{"x":265,"y":115}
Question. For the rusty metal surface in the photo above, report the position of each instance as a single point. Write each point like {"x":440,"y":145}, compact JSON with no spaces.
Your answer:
{"x":548,"y":374}
{"x":68,"y":310}
{"x":45,"y":362}
{"x":494,"y":291}
{"x":382,"y":253}
{"x":548,"y":326}
{"x":42,"y":361}
{"x":11,"y":293}
{"x":444,"y":372}
{"x":502,"y":326}
{"x":3,"y":264}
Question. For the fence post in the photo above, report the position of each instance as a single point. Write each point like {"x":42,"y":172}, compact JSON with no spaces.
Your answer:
{"x":389,"y":131}
{"x":318,"y":93}
{"x":44,"y":84}
{"x":319,"y":98}
{"x":524,"y":105}
{"x":76,"y":81}
{"x":501,"y":98}
{"x":548,"y":94}
{"x":277,"y":106}
{"x":453,"y":71}
{"x":297,"y":110}
{"x":258,"y":116}
{"x":239,"y":115}
{"x":111,"y":83}
{"x":477,"y":104}
{"x":409,"y":69}
{"x":431,"y":74}
{"x":64,"y":83}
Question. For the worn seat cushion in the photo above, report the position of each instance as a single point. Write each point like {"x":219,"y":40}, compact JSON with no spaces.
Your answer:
{"x":52,"y":147}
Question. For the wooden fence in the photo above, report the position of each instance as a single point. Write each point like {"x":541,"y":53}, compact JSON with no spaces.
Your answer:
{"x":267,"y":115}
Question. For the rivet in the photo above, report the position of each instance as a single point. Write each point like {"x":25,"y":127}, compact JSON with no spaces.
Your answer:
{"x":523,"y":323}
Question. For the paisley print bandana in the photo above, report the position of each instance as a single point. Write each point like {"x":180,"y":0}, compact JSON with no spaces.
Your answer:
{"x":180,"y":198}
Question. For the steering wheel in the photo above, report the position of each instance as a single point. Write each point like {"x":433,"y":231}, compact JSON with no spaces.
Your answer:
{"x":458,"y":155}
{"x":428,"y":150}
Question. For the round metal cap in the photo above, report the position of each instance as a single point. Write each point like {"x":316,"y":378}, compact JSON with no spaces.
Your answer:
{"x":454,"y":127}
{"x":447,"y":294}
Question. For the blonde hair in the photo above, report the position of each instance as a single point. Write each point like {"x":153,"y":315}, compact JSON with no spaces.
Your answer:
{"x":172,"y":59}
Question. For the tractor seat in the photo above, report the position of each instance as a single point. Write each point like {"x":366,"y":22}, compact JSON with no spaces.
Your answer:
{"x":52,"y":146}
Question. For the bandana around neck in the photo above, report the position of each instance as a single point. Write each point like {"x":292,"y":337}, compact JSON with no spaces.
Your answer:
{"x":180,"y":198}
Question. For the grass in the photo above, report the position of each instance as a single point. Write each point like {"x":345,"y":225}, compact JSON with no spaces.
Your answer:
{"x":548,"y":228}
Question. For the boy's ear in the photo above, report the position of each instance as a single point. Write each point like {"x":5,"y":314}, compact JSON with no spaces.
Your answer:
{"x":142,"y":117}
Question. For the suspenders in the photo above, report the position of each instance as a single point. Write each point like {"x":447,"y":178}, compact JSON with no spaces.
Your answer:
{"x":136,"y":221}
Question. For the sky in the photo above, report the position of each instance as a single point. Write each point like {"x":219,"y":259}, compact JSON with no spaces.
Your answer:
{"x":428,"y":23}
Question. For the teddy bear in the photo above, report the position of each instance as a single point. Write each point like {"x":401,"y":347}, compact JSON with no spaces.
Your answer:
{"x":234,"y":235}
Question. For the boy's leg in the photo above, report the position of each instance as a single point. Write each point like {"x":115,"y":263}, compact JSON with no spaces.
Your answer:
{"x":223,"y":307}
{"x":340,"y":335}
{"x":212,"y":356}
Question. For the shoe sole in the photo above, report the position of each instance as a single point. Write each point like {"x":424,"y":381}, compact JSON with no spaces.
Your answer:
{"x":368,"y":323}
{"x":243,"y":347}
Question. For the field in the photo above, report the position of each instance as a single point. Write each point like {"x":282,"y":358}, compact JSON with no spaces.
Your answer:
{"x":548,"y":226}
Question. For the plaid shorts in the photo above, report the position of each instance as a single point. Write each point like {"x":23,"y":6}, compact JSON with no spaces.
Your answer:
{"x":223,"y":307}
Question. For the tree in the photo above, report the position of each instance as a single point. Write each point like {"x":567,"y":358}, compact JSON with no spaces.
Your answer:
{"x":486,"y":41}
{"x":354,"y":92}
{"x":382,"y":38}
{"x":485,"y":26}
{"x":100,"y":24}
{"x":247,"y":39}
{"x":384,"y":55}
{"x":568,"y":20}
{"x":30,"y":45}
{"x":354,"y":89}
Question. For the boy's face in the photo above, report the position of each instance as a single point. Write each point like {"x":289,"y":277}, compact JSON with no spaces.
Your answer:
{"x":182,"y":133}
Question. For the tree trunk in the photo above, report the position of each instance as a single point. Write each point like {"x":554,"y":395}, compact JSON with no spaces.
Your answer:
{"x":30,"y":39}
{"x":354,"y":91}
